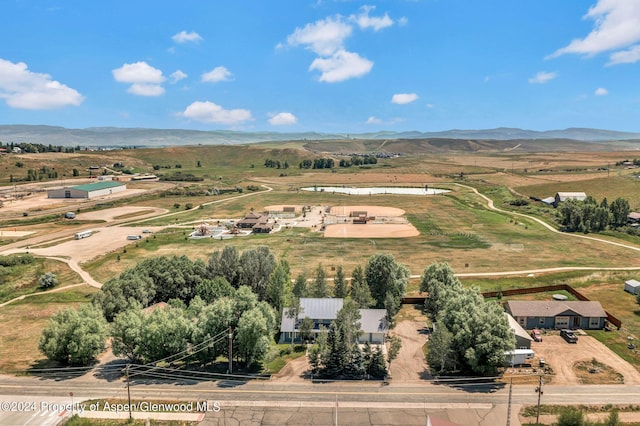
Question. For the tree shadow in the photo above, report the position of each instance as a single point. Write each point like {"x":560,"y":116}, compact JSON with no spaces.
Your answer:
{"x":45,"y":369}
{"x":470,"y":384}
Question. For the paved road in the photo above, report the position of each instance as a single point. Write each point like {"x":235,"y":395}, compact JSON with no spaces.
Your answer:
{"x":361,"y":399}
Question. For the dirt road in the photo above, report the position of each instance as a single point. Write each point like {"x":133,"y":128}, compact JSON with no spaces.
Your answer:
{"x":293,"y":372}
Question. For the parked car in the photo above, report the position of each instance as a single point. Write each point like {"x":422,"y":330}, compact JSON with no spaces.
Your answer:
{"x":569,"y":336}
{"x":69,"y":215}
{"x":536,"y":335}
{"x":147,"y":231}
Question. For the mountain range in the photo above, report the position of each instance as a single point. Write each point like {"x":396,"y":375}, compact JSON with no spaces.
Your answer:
{"x":141,"y":137}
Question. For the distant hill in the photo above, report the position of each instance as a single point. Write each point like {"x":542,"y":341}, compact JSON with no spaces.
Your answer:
{"x":140,"y":137}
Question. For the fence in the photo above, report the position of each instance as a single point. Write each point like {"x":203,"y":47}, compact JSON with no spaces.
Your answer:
{"x":516,"y":291}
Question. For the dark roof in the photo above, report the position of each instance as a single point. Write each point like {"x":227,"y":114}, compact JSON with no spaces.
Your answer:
{"x":552,"y":308}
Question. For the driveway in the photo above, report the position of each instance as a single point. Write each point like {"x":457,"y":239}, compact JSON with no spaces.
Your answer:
{"x":410,"y":365}
{"x":561,"y":356}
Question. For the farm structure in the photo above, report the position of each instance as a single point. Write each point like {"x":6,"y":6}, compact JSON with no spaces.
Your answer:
{"x":323,"y":311}
{"x":251,"y":220}
{"x":90,"y":190}
{"x":564,"y":196}
{"x":632,"y":286}
{"x":554,"y":314}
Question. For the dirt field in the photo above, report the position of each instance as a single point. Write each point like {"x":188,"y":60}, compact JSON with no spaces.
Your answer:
{"x":370,"y":230}
{"x":561,"y":356}
{"x":293,"y":371}
{"x":371,"y":210}
{"x":110,"y":215}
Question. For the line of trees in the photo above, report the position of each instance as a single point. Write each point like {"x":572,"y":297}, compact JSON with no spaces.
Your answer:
{"x":358,"y":160}
{"x":470,"y":335}
{"x":590,"y":216}
{"x":35,"y":148}
{"x":276,"y":164}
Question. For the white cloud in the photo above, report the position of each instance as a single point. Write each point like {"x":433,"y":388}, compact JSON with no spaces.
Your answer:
{"x":341,"y":66}
{"x":24,"y":89}
{"x":430,"y":105}
{"x":140,"y":72}
{"x":145,"y":80}
{"x":601,"y":91}
{"x":216,"y":75}
{"x":177,"y":76}
{"x":365,"y":21}
{"x":628,"y":56}
{"x":283,"y":119}
{"x":373,"y":120}
{"x":185,"y":37}
{"x":403,"y":98}
{"x":208,"y":112}
{"x":542,"y":77}
{"x":143,"y":89}
{"x":403,"y":21}
{"x":617,"y":26}
{"x":323,"y":37}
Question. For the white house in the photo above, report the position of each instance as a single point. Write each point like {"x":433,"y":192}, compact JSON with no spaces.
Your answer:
{"x":373,"y":322}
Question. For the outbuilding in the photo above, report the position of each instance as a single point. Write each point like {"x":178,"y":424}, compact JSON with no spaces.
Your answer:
{"x":632,"y":286}
{"x":90,"y":190}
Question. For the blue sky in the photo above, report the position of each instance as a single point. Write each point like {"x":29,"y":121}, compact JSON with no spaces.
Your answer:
{"x":321,"y":65}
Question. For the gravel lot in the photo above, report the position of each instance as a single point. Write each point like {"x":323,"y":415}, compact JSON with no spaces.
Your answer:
{"x":561,"y":356}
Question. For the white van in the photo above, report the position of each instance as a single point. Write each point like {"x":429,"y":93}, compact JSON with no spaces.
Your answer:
{"x":134,"y":237}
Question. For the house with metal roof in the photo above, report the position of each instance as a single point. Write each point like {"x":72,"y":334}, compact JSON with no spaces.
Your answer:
{"x":323,"y":311}
{"x":90,"y":190}
{"x":556,"y":314}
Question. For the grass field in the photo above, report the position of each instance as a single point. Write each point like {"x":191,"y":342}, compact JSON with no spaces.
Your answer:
{"x":23,"y":321}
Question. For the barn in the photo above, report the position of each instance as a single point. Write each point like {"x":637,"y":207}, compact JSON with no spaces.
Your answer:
{"x":90,"y":190}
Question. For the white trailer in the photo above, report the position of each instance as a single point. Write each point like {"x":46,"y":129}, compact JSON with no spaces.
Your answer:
{"x":518,"y":356}
{"x":83,"y":234}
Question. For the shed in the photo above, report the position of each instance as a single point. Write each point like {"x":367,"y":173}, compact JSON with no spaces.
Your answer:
{"x":523,"y":339}
{"x":632,"y":286}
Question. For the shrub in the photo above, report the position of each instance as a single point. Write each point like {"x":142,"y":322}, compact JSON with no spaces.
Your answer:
{"x":48,"y":280}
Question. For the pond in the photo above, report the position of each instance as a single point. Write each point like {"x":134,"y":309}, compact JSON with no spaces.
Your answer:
{"x":376,"y":190}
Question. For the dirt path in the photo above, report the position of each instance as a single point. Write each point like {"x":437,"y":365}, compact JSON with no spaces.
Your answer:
{"x":293,"y":372}
{"x":561,"y":356}
{"x":410,"y":365}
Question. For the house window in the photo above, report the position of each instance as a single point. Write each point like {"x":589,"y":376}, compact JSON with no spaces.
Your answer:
{"x":541,"y":320}
{"x":522,"y":320}
{"x":594,"y":322}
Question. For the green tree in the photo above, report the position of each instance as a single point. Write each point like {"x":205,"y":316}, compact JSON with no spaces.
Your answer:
{"x":319,"y":287}
{"x":165,"y":331}
{"x":225,"y":263}
{"x":395,"y":344}
{"x":293,"y":312}
{"x":120,"y":294}
{"x":74,"y":336}
{"x":125,"y":333}
{"x":256,"y":265}
{"x":619,"y":211}
{"x":253,"y":336}
{"x":438,"y":281}
{"x":387,"y":280}
{"x":306,"y":329}
{"x":279,"y":287}
{"x":300,"y":286}
{"x":613,"y":419}
{"x":211,"y":290}
{"x":571,"y":417}
{"x":440,"y":351}
{"x":212,"y":321}
{"x":340,"y":288}
{"x":48,"y":280}
{"x":360,"y":292}
{"x":245,"y":299}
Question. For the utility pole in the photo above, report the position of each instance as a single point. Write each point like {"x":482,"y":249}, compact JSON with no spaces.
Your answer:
{"x":128,"y":391}
{"x":509,"y":404}
{"x":539,"y":390}
{"x":230,"y":350}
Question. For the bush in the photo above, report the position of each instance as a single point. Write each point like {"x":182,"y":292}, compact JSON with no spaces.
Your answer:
{"x":48,"y":280}
{"x":188,"y":206}
{"x":176,"y":205}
